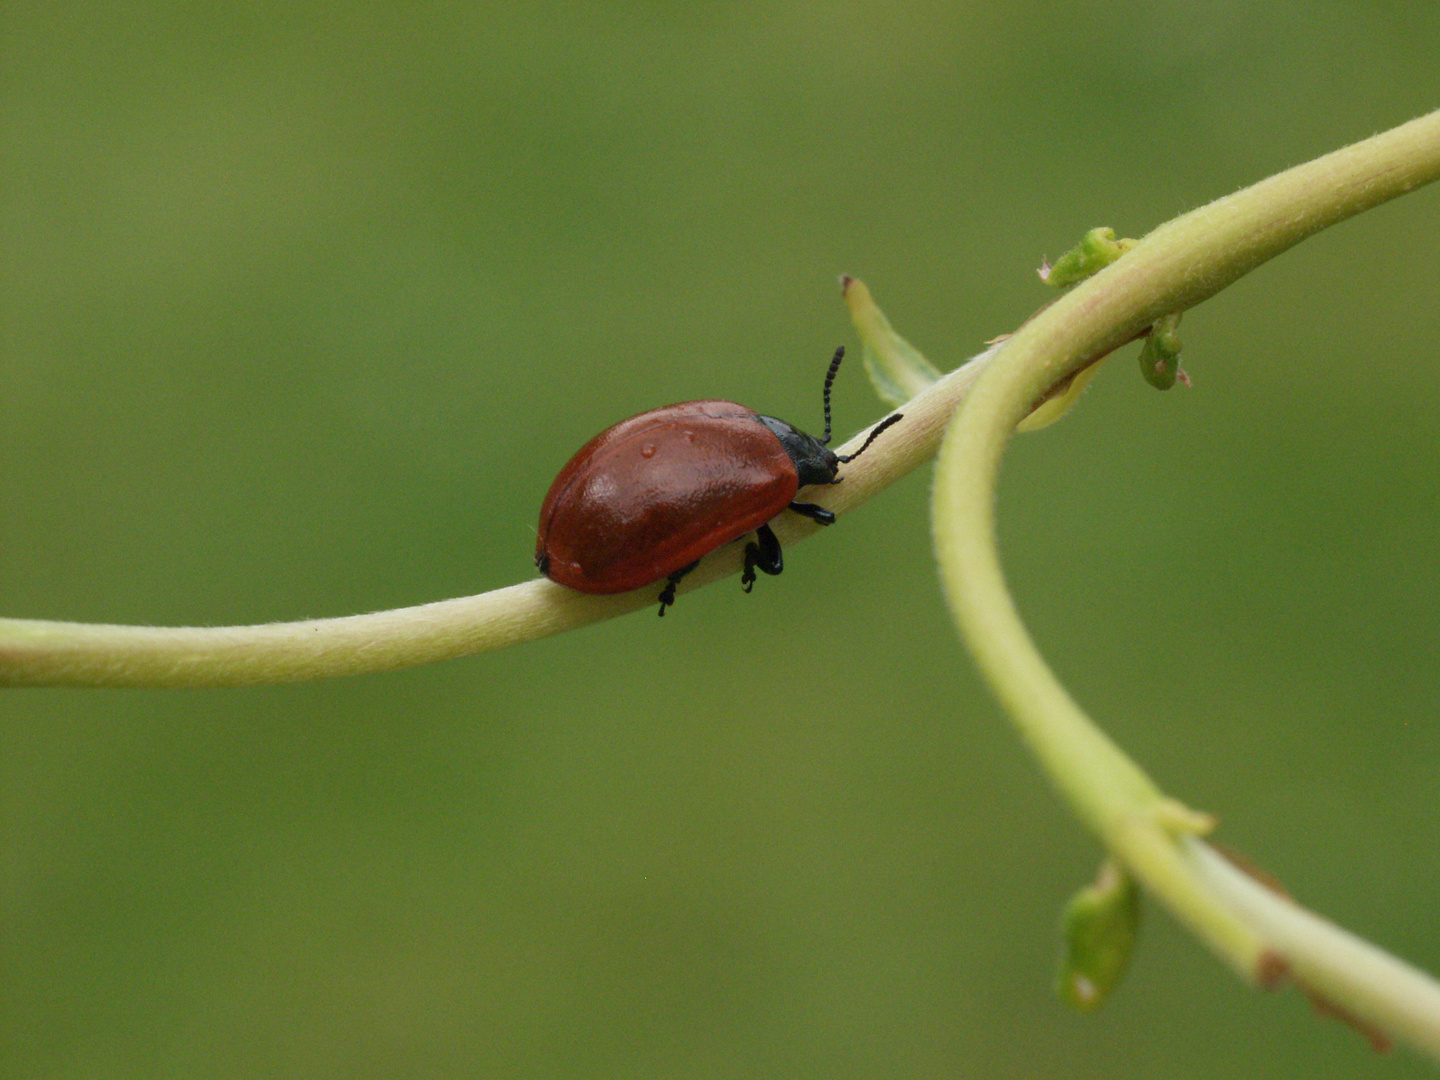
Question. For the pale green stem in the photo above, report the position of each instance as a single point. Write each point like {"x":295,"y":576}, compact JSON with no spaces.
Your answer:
{"x":36,"y":652}
{"x":1177,"y":266}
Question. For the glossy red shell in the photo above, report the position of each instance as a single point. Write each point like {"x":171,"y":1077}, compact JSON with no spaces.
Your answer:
{"x":654,"y":493}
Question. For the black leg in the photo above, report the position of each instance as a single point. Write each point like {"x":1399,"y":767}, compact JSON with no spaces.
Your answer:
{"x":814,"y":513}
{"x":667,"y":594}
{"x":764,"y":553}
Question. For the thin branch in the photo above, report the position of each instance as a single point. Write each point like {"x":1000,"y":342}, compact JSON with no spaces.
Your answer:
{"x":36,"y":652}
{"x":1177,"y":266}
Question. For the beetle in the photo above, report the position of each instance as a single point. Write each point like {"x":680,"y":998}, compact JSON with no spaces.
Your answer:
{"x":645,"y":500}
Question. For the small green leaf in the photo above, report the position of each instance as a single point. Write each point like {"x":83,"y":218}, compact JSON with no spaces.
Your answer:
{"x":1101,"y":924}
{"x":897,"y":369}
{"x":1160,"y":358}
{"x":1097,"y":249}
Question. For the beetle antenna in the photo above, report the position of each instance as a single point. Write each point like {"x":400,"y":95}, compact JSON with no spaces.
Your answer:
{"x":829,"y":379}
{"x":889,"y":421}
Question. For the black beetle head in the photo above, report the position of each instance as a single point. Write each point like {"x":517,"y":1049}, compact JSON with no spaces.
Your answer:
{"x":814,"y":462}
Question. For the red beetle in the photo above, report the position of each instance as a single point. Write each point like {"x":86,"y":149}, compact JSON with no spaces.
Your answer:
{"x":649,"y":497}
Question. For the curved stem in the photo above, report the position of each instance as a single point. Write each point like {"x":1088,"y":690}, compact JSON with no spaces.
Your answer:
{"x":1175,"y":267}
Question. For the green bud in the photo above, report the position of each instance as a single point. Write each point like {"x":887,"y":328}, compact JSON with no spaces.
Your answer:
{"x":1097,"y":249}
{"x":1100,"y":924}
{"x":1160,"y":357}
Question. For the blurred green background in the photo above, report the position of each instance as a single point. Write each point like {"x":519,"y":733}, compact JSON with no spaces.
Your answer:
{"x":304,"y":305}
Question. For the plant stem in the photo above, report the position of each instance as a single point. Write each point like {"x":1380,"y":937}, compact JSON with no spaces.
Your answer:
{"x":1177,"y":266}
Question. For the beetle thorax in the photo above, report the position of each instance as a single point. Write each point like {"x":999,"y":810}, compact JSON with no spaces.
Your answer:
{"x":815,"y":463}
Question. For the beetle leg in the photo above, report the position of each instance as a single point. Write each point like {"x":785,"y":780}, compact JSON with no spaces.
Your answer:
{"x":814,"y":513}
{"x":763,"y":553}
{"x":667,"y":594}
